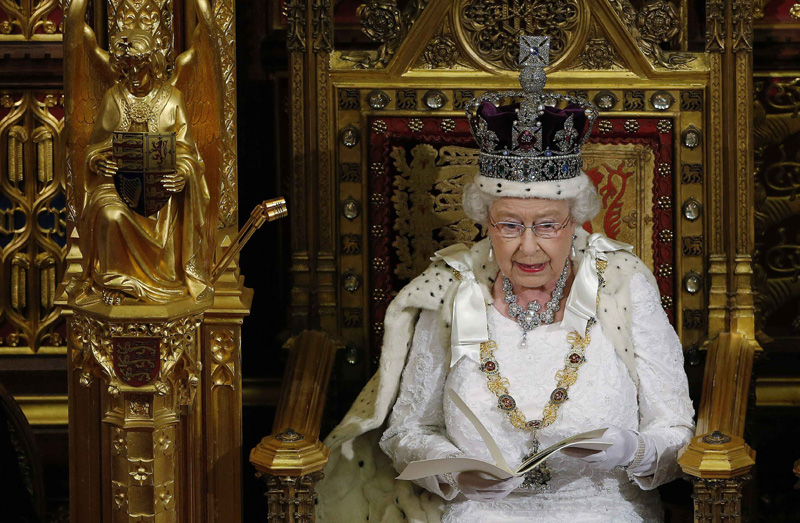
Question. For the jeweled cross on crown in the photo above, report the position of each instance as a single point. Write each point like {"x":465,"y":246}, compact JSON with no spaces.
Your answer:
{"x":534,"y":51}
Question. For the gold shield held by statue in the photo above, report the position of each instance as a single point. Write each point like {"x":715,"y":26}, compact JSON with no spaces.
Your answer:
{"x":144,"y":160}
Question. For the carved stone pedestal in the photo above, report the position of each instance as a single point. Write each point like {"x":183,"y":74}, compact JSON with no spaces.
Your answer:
{"x":134,"y":370}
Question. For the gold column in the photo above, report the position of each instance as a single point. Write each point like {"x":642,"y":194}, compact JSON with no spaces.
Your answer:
{"x":718,"y":458}
{"x":218,"y":414}
{"x":310,"y":43}
{"x":134,"y":371}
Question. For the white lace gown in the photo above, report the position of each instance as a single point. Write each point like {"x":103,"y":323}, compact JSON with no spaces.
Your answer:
{"x":423,"y":425}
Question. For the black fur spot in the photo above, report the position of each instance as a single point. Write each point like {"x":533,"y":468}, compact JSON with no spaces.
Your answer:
{"x":361,"y":463}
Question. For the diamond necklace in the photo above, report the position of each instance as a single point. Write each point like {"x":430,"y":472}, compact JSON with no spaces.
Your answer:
{"x":531,"y":318}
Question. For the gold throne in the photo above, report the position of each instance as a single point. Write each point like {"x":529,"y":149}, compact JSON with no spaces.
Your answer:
{"x":381,"y":150}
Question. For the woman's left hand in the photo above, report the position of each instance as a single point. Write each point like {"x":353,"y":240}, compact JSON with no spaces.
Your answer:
{"x":624,"y":443}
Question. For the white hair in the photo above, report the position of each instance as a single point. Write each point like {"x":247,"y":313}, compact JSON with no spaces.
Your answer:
{"x":583,"y":206}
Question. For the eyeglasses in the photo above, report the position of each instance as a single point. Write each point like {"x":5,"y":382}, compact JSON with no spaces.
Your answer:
{"x":511,"y":230}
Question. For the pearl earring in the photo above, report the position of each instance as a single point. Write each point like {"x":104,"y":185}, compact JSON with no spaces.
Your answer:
{"x":491,"y":252}
{"x":573,"y":245}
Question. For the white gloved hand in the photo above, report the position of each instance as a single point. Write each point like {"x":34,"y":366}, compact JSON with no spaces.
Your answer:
{"x":478,"y":486}
{"x":621,"y":453}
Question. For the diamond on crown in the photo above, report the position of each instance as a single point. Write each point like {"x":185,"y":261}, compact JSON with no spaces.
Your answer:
{"x":528,"y":157}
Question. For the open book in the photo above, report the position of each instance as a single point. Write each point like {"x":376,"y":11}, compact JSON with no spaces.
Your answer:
{"x":500,"y":469}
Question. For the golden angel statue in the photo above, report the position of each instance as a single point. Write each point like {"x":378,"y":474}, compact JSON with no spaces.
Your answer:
{"x":143,"y":162}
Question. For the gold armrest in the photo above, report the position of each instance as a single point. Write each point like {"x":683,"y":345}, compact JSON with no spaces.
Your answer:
{"x":290,"y":461}
{"x":717,"y":457}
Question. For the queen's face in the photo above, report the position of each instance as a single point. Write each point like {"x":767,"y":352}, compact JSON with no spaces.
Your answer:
{"x":531,"y":261}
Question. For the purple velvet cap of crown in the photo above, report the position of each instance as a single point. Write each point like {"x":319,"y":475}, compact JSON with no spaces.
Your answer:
{"x":501,"y":119}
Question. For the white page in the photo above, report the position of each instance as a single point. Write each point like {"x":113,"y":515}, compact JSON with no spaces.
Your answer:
{"x":431,"y":467}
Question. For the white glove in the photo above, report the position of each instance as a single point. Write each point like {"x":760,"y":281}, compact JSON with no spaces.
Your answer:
{"x":477,"y":486}
{"x":621,"y":453}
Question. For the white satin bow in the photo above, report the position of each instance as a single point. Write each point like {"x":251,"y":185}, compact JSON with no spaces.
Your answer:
{"x":582,"y":302}
{"x":469,"y":327}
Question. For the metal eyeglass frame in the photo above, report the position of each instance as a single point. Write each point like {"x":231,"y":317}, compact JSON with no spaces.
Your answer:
{"x":521,"y":228}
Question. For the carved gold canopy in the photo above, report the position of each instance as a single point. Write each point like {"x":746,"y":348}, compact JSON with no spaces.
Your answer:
{"x":381,"y":150}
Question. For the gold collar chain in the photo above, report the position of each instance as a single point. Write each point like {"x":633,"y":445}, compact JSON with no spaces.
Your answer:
{"x":564,"y":377}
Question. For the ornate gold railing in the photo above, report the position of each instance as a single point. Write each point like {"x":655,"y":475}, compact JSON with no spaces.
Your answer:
{"x":717,"y":458}
{"x":290,"y":461}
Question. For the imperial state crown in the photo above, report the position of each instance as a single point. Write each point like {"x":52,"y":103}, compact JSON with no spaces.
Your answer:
{"x":538,"y":136}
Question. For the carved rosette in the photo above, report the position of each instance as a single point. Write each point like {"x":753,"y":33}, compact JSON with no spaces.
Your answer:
{"x":599,"y":54}
{"x":658,"y":21}
{"x":655,"y":23}
{"x":381,"y":20}
{"x":441,"y":52}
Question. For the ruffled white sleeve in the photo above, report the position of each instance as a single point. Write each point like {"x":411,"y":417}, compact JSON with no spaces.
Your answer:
{"x":416,"y":427}
{"x":666,"y":413}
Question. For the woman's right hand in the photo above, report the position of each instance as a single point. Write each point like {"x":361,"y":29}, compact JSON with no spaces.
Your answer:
{"x":107,"y":166}
{"x":477,"y":486}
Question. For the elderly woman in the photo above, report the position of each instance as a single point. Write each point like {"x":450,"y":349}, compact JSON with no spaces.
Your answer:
{"x":544,"y":332}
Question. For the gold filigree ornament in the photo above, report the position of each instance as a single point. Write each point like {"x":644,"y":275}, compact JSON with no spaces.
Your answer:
{"x":492,"y":29}
{"x":565,"y":378}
